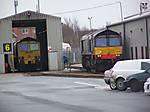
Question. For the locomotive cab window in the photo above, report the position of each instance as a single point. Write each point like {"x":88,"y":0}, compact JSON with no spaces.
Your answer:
{"x":23,"y":47}
{"x":82,"y":45}
{"x":114,"y":41}
{"x":34,"y":47}
{"x":90,"y":46}
{"x":100,"y":42}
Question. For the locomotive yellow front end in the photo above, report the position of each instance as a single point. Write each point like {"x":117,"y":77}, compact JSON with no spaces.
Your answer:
{"x":27,"y":56}
{"x":112,"y":53}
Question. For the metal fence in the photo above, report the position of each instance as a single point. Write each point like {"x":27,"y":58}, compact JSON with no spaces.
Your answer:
{"x":72,"y":57}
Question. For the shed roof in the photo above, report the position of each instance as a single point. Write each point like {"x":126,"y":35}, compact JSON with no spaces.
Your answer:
{"x":28,"y":13}
{"x":131,"y":19}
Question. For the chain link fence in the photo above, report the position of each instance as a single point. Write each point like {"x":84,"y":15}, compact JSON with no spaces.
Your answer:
{"x":72,"y":57}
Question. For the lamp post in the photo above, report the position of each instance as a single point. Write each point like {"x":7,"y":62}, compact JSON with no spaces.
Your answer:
{"x":15,"y":4}
{"x":90,"y":18}
{"x":38,"y":9}
{"x":121,"y":10}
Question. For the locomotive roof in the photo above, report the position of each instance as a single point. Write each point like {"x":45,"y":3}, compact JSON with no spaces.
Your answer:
{"x":26,"y":39}
{"x":99,"y":33}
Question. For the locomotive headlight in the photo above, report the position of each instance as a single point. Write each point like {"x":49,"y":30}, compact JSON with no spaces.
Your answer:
{"x":118,"y":55}
{"x":98,"y":56}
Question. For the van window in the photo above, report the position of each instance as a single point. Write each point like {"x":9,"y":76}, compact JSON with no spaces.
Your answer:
{"x":148,"y":70}
{"x":145,"y":65}
{"x":127,"y":65}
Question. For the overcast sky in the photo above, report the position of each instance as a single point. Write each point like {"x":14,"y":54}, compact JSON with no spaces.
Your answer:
{"x":100,"y":16}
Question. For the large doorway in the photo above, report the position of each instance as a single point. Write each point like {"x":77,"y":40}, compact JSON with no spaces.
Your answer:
{"x":35,"y":29}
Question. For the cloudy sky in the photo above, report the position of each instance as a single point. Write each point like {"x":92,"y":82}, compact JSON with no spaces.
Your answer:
{"x":100,"y":16}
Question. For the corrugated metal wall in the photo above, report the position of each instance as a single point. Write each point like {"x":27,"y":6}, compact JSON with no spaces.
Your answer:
{"x":5,"y":37}
{"x":137,"y":37}
{"x":5,"y":33}
{"x":54,"y":39}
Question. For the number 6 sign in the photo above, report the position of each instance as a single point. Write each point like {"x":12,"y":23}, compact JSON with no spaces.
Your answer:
{"x":7,"y":47}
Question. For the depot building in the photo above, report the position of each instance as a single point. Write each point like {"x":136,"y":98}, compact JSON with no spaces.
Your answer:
{"x":135,"y":36}
{"x":30,"y":41}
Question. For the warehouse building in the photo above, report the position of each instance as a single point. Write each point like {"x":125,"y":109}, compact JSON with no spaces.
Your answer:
{"x":43,"y":29}
{"x":135,"y":36}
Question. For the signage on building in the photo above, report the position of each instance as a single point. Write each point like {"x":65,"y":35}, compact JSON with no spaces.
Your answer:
{"x":49,"y":49}
{"x":7,"y":47}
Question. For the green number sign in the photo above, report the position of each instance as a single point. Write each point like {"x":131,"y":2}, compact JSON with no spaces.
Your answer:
{"x":7,"y":47}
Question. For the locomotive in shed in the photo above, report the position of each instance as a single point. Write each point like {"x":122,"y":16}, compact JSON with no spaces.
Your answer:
{"x":27,"y":54}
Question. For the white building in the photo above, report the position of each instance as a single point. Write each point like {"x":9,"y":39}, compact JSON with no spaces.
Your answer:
{"x":135,"y":36}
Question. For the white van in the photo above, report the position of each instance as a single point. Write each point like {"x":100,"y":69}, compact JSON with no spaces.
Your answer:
{"x":122,"y":69}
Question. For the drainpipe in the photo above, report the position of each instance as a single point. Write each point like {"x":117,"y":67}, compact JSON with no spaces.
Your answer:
{"x":147,"y":54}
{"x":125,"y":43}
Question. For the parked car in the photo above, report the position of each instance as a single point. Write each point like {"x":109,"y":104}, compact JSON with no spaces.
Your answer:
{"x":121,"y":70}
{"x":136,"y":81}
{"x":147,"y":87}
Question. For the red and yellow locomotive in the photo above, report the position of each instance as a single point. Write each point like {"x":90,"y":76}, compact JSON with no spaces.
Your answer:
{"x":101,"y":49}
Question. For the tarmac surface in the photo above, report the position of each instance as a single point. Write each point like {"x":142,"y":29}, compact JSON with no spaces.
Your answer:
{"x":19,"y":93}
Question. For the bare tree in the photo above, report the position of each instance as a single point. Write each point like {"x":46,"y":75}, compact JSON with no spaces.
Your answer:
{"x":72,"y":32}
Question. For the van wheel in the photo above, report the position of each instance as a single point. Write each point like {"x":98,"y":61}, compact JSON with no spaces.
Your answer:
{"x":135,"y":86}
{"x":120,"y":85}
{"x":113,"y":86}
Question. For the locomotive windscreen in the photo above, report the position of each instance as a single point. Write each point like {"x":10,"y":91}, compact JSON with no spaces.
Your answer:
{"x":23,"y":47}
{"x":114,"y":41}
{"x":34,"y":47}
{"x":101,"y":42}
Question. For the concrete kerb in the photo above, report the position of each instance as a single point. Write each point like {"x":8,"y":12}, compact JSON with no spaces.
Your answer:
{"x":77,"y":74}
{"x":63,"y":73}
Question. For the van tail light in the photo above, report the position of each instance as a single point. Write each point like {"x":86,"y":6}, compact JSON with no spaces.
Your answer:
{"x":108,"y":73}
{"x":111,"y":72}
